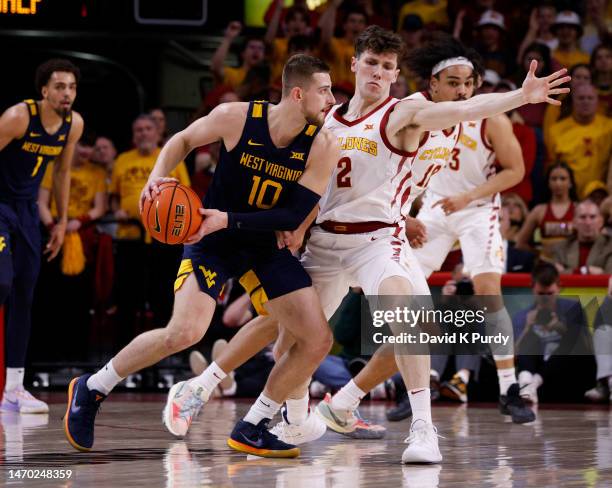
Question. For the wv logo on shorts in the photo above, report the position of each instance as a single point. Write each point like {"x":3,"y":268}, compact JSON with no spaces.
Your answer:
{"x":2,"y":244}
{"x":209,"y":275}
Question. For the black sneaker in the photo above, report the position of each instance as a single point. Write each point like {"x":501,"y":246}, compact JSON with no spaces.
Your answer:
{"x":83,"y":405}
{"x":259,"y":441}
{"x":402,"y":411}
{"x":512,"y":404}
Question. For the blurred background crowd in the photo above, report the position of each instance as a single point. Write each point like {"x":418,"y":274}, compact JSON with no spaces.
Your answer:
{"x":113,"y":281}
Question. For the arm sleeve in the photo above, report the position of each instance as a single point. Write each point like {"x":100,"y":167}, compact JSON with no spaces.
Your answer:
{"x":300,"y":203}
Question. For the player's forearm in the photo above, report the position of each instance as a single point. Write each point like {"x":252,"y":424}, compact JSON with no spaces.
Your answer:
{"x":506,"y":178}
{"x":173,"y":152}
{"x":488,"y":105}
{"x":61,"y":190}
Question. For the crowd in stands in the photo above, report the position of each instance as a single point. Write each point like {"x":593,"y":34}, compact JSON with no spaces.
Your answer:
{"x":560,"y":214}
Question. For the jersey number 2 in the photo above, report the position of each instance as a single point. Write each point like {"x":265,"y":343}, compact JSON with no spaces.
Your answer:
{"x":259,"y":192}
{"x":343,"y":179}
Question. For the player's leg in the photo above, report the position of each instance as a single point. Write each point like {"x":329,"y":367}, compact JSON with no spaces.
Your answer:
{"x":482,"y":249}
{"x":302,"y":315}
{"x":26,"y":257}
{"x":193,"y":311}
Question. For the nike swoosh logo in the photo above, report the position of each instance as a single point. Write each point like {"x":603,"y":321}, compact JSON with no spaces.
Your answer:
{"x":34,"y":134}
{"x":218,"y":377}
{"x":251,"y":143}
{"x":265,"y":404}
{"x":11,"y":402}
{"x":259,"y":442}
{"x":417,"y":391}
{"x":341,"y":423}
{"x":74,"y":408}
{"x":157,"y":227}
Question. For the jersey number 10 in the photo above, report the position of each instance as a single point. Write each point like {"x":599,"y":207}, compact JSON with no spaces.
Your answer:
{"x":258,"y":192}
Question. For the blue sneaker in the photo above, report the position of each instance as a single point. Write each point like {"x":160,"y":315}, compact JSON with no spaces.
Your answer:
{"x":259,"y":441}
{"x":83,"y":405}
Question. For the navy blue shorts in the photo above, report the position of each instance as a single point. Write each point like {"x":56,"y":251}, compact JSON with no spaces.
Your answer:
{"x":265,"y":271}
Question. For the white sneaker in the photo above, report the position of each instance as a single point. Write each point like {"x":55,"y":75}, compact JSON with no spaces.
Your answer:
{"x":529,"y":393}
{"x":422,"y":444}
{"x":310,"y":430}
{"x":183,"y":405}
{"x":21,"y":400}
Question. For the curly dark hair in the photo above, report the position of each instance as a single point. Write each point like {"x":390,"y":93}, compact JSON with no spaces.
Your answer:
{"x":378,"y":40}
{"x":442,"y":46}
{"x":45,"y":70}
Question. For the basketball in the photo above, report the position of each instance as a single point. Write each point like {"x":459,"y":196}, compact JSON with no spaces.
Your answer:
{"x":172,"y":216}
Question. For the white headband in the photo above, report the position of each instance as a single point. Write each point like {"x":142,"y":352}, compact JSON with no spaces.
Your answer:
{"x":459,"y":61}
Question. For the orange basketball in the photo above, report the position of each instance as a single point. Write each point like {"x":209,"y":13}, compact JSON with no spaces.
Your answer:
{"x":172,"y":216}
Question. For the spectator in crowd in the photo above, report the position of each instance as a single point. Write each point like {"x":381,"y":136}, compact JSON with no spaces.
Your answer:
{"x":589,"y":251}
{"x":554,"y":220}
{"x":516,"y":260}
{"x":541,"y":21}
{"x":490,"y":80}
{"x":432,"y":13}
{"x":467,"y":16}
{"x":597,"y":25}
{"x":517,"y":213}
{"x":596,"y":191}
{"x":104,"y":154}
{"x":130,"y":173}
{"x":568,"y":29}
{"x":296,"y":23}
{"x":583,"y":140}
{"x":256,"y":83}
{"x":547,"y":333}
{"x":252,"y":53}
{"x":400,"y":88}
{"x":413,"y":34}
{"x":206,"y":159}
{"x":160,"y":121}
{"x":490,"y":43}
{"x":73,"y":277}
{"x":313,"y":15}
{"x":339,"y":51}
{"x":601,"y":66}
{"x":378,"y":13}
{"x":533,"y":114}
{"x":580,"y":73}
{"x":602,"y":341}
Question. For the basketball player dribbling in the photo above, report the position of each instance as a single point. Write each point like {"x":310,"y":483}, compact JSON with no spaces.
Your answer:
{"x":32,"y":134}
{"x":390,"y":151}
{"x":275,"y":164}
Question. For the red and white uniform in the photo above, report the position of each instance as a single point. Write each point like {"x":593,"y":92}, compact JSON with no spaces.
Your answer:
{"x":476,"y":227}
{"x":359,"y":239}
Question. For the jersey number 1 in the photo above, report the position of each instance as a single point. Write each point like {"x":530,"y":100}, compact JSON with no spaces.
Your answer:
{"x":259,"y":192}
{"x":39,"y":161}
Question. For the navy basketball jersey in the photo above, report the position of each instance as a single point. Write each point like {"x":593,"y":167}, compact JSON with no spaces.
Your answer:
{"x":23,"y":161}
{"x":256,"y":174}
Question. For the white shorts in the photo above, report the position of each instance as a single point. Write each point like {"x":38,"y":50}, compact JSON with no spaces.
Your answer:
{"x":336,"y":262}
{"x":476,"y":229}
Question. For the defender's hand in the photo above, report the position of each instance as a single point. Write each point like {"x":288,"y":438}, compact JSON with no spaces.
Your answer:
{"x":453,"y":204}
{"x":538,"y":90}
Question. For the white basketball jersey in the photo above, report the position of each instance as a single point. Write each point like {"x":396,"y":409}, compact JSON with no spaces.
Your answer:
{"x":432,"y":156}
{"x":373,"y":180}
{"x":472,"y":164}
{"x":371,"y":177}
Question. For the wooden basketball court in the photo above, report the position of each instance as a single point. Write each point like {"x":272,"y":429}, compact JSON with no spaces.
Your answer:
{"x":564,"y":447}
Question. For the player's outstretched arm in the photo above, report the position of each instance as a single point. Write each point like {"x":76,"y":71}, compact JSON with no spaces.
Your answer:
{"x":424,"y":115}
{"x":299,"y":204}
{"x":224,"y":122}
{"x":510,"y":157}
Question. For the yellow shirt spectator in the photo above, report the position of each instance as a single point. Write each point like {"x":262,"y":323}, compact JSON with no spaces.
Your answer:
{"x":130,"y":173}
{"x":569,"y":59}
{"x":233,"y":76}
{"x":339,"y":53}
{"x":586,"y":148}
{"x":430,"y":13}
{"x":86,"y":180}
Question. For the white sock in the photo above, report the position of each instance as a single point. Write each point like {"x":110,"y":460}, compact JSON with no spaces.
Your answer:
{"x":105,"y":379}
{"x":420,"y":401}
{"x":210,"y":378}
{"x":297,"y":409}
{"x":464,"y":374}
{"x":14,"y":378}
{"x":348,"y":397}
{"x":506,"y":378}
{"x":263,"y":408}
